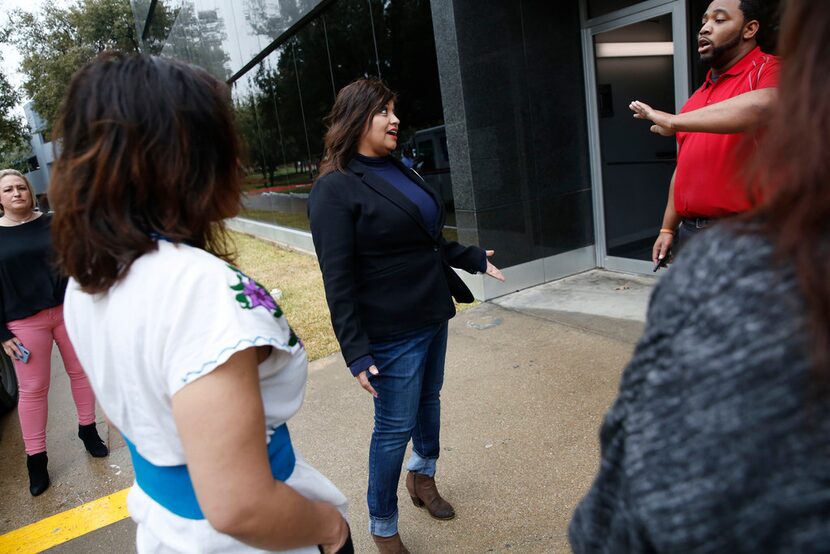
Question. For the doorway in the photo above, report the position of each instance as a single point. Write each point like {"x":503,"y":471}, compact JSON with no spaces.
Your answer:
{"x":635,"y":53}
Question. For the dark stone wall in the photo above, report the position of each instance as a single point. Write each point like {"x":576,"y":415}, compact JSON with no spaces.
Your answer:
{"x":514,"y":105}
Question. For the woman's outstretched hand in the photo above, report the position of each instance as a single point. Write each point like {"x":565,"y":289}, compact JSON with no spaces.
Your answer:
{"x":492,"y":270}
{"x":363,"y":379}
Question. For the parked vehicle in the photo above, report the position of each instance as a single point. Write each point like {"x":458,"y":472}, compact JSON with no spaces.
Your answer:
{"x":8,"y":384}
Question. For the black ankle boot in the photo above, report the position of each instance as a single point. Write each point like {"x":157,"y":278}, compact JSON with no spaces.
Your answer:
{"x":92,"y":441}
{"x":38,"y":474}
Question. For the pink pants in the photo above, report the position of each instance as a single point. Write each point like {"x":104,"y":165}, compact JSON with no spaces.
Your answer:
{"x":37,"y":333}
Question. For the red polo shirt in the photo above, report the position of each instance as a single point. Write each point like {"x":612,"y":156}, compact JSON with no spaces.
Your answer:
{"x":707,"y":182}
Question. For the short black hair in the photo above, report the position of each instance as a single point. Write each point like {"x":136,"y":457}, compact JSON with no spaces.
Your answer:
{"x":752,"y":10}
{"x":767,"y":14}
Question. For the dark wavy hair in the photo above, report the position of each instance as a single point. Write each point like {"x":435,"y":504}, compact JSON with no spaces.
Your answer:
{"x":354,"y":107}
{"x":149,"y":150}
{"x":792,"y":168}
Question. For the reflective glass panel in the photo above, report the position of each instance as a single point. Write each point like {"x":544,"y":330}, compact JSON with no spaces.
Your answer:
{"x":282,"y":104}
{"x":351,"y":43}
{"x":156,"y":24}
{"x":200,"y":36}
{"x":281,"y":170}
{"x":408,"y":62}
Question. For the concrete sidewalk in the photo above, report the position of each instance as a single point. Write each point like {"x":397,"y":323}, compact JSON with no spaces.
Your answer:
{"x":528,"y":380}
{"x":527,"y":383}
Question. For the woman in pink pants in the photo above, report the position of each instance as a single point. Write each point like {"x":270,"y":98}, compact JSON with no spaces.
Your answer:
{"x":31,"y":318}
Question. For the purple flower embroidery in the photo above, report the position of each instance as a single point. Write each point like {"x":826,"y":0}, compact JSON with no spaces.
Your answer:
{"x":257,"y":296}
{"x":251,"y":294}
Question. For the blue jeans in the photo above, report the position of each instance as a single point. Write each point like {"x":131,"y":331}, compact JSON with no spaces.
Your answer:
{"x":411,"y":373}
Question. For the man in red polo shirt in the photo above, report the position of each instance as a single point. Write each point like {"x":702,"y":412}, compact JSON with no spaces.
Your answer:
{"x":738,"y":94}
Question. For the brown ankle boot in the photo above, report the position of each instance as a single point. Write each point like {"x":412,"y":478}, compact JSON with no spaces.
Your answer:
{"x":424,"y":493}
{"x":390,"y":545}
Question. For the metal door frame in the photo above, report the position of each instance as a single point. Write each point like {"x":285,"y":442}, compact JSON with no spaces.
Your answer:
{"x":590,"y":28}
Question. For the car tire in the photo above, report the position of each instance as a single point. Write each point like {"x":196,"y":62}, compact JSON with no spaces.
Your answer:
{"x":8,"y":384}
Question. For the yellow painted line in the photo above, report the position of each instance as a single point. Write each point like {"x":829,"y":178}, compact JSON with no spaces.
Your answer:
{"x":65,"y":526}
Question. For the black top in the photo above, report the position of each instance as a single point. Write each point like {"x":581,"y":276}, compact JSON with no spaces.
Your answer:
{"x":385,"y":272}
{"x":385,"y":168}
{"x":28,"y":280}
{"x":715,"y":443}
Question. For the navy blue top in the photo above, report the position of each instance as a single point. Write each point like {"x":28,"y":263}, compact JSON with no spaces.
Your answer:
{"x":389,"y":172}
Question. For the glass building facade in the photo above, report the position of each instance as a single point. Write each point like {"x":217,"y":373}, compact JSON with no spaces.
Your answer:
{"x":514,"y":110}
{"x":286,"y":60}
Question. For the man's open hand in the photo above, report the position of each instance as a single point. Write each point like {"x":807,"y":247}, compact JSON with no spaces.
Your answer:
{"x":663,"y":124}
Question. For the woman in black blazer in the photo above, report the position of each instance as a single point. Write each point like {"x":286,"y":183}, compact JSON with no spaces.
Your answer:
{"x":389,"y":285}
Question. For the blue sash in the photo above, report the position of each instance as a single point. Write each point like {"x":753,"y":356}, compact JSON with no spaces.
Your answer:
{"x":171,"y":486}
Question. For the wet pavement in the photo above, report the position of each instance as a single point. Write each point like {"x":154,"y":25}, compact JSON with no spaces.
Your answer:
{"x":528,"y":380}
{"x":77,"y":478}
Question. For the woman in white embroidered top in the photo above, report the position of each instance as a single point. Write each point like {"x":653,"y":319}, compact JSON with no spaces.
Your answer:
{"x":191,"y":359}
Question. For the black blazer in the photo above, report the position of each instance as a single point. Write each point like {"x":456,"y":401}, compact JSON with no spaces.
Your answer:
{"x":384,"y":273}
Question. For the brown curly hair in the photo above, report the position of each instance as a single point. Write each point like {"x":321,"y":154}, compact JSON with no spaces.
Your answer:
{"x":149,"y":150}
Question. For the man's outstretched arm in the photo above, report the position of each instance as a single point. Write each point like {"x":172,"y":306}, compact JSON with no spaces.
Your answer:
{"x":735,"y":115}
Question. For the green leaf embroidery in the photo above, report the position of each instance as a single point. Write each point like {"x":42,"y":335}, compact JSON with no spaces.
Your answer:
{"x":242,"y":299}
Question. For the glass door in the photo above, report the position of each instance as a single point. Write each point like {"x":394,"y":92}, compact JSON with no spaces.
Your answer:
{"x":633,"y":56}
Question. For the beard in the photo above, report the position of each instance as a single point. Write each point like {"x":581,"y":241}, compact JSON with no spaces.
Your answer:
{"x":718,"y":56}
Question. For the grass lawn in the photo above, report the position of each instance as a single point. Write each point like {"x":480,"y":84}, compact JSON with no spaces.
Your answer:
{"x":303,"y":299}
{"x":298,"y":276}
